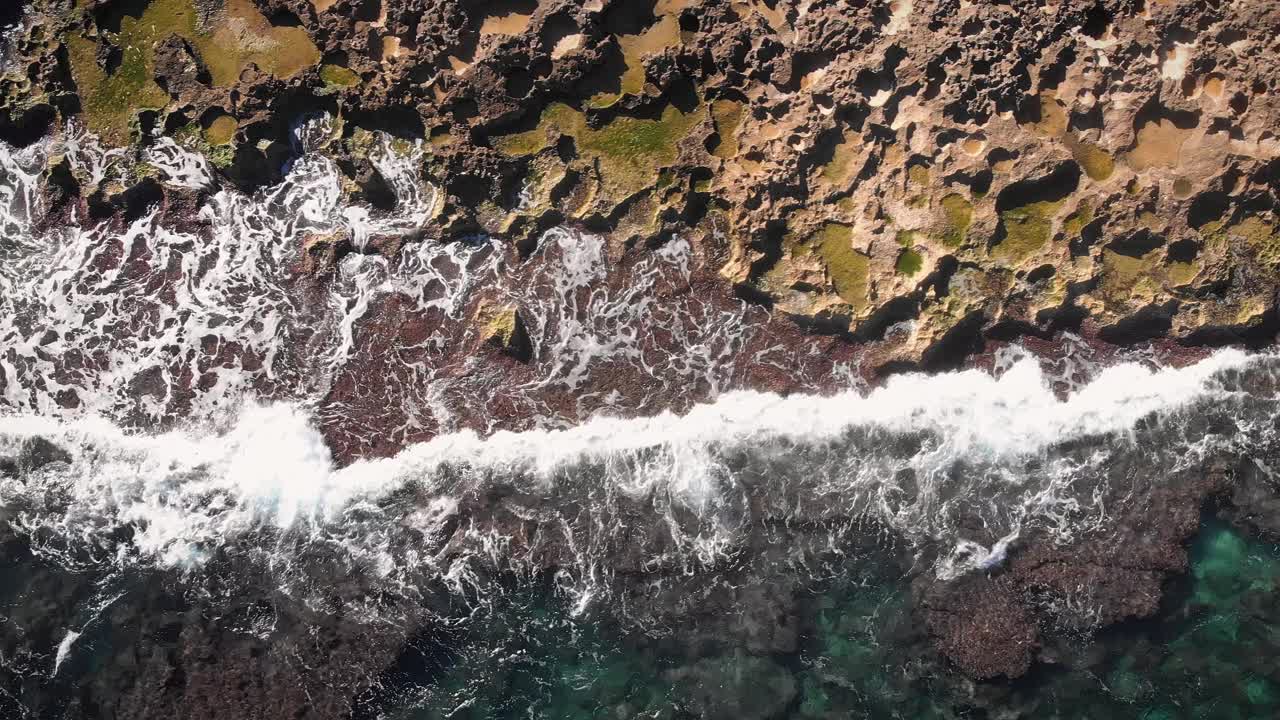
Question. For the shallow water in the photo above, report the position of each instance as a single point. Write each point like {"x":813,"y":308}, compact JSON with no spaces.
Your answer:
{"x":212,"y":466}
{"x":1208,"y":656}
{"x":743,"y":560}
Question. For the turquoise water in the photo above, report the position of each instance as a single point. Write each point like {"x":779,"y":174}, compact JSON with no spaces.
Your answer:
{"x":859,"y":653}
{"x":780,"y":591}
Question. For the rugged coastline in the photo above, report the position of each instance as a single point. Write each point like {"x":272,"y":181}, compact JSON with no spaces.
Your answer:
{"x":419,"y":220}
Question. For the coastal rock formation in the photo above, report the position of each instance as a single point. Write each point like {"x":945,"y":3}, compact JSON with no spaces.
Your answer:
{"x":872,"y":186}
{"x":911,"y":172}
{"x":992,"y":625}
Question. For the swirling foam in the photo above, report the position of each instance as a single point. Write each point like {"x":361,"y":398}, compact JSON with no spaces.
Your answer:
{"x":186,"y":494}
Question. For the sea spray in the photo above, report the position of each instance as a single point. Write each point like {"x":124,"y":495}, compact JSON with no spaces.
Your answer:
{"x":197,"y":388}
{"x":917,"y":455}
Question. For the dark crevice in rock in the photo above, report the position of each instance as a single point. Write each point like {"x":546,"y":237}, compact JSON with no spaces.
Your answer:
{"x":999,"y":155}
{"x":1136,"y":244}
{"x":138,"y":200}
{"x":1090,"y":119}
{"x":625,"y":18}
{"x":940,"y":279}
{"x":1056,"y":72}
{"x":108,"y":16}
{"x":956,"y":345}
{"x":1090,"y":235}
{"x":751,"y":294}
{"x":769,"y":245}
{"x":1183,"y":251}
{"x":396,"y":121}
{"x":1057,"y":185}
{"x":894,"y":311}
{"x":1207,"y":207}
{"x":1149,"y":323}
{"x":283,"y":17}
{"x":556,"y":28}
{"x":1067,"y":317}
{"x":1010,"y":330}
{"x":22,"y":127}
{"x":824,"y":323}
{"x":1154,"y":112}
{"x":1042,"y":273}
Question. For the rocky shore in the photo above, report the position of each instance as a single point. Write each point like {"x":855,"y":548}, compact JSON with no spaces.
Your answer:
{"x":830,"y":192}
{"x":913,"y":173}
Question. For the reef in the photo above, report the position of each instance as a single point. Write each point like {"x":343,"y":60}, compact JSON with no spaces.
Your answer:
{"x":917,"y":183}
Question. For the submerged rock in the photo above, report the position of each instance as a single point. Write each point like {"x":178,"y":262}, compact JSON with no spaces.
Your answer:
{"x":736,"y":687}
{"x":422,"y":217}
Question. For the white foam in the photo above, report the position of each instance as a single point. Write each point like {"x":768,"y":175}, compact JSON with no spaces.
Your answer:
{"x":88,"y":312}
{"x":180,"y":167}
{"x":90,"y":161}
{"x":150,"y":323}
{"x":1015,"y":414}
{"x":914,"y":454}
{"x":64,"y":649}
{"x":188,"y":493}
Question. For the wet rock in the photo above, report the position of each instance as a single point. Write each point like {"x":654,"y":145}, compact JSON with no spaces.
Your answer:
{"x":984,"y":629}
{"x":1255,"y":499}
{"x":992,"y":625}
{"x":504,"y":329}
{"x":321,"y":253}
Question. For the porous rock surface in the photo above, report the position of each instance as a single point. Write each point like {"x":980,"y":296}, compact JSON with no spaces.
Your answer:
{"x":911,"y":167}
{"x":918,"y":175}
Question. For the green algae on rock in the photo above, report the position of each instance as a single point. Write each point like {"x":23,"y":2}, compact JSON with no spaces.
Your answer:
{"x":636,"y":48}
{"x":221,"y":130}
{"x":909,"y":262}
{"x":727,"y":115}
{"x":1078,"y":220}
{"x":201,"y":140}
{"x":847,"y":268}
{"x":227,"y":42}
{"x":1096,"y":162}
{"x":839,"y":169}
{"x":110,"y":100}
{"x":338,"y":76}
{"x":957,"y":217}
{"x":1259,"y":235}
{"x":630,"y":152}
{"x":918,"y":174}
{"x":1026,"y":230}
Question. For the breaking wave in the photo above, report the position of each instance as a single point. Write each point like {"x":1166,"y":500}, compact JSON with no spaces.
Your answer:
{"x":923,"y":456}
{"x":247,"y":391}
{"x":198,"y":385}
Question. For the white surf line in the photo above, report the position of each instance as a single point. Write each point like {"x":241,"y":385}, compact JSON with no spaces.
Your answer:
{"x":186,"y":492}
{"x":1015,"y":414}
